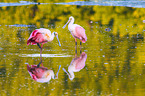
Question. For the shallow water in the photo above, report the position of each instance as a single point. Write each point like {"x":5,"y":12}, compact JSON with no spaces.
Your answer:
{"x":113,"y":58}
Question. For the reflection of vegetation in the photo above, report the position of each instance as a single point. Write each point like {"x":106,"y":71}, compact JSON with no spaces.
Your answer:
{"x":116,"y":57}
{"x":124,"y":20}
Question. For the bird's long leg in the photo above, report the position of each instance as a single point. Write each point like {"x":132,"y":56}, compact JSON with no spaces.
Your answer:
{"x":75,"y":55}
{"x":40,"y":50}
{"x":75,"y":46}
{"x":80,"y":47}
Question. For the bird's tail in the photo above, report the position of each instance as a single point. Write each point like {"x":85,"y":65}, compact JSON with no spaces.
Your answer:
{"x":84,"y":39}
{"x":28,"y":42}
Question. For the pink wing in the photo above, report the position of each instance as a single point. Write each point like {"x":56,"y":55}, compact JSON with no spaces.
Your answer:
{"x":36,"y":37}
{"x":80,"y":33}
{"x":33,"y":34}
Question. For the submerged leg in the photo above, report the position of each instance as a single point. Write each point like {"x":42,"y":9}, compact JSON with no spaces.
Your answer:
{"x":75,"y":45}
{"x":80,"y":47}
{"x":40,"y":49}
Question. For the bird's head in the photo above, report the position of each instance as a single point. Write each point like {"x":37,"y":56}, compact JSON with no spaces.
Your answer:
{"x":71,"y":18}
{"x":56,"y":35}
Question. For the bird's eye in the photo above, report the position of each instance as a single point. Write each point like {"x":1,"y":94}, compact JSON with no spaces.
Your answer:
{"x":55,"y":34}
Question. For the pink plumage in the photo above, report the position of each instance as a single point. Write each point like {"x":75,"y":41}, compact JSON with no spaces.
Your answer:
{"x":42,"y":36}
{"x":79,"y":62}
{"x":80,"y":33}
{"x":76,"y":65}
{"x":40,"y":74}
{"x":76,"y":30}
{"x":33,"y":72}
{"x":36,"y":37}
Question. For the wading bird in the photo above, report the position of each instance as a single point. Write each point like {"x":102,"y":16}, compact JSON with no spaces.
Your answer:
{"x":77,"y":31}
{"x":42,"y":36}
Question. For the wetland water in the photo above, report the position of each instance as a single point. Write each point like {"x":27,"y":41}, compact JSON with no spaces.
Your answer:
{"x":113,"y":56}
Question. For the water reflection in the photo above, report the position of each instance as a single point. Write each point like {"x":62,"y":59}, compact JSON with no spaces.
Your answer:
{"x":41,"y":74}
{"x":76,"y":65}
{"x":115,"y":59}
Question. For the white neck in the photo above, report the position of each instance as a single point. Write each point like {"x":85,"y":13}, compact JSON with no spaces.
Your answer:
{"x":71,"y":22}
{"x":52,"y":74}
{"x":52,"y":37}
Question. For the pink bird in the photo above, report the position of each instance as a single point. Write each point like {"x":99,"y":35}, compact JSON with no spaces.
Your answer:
{"x":42,"y":36}
{"x":76,"y":65}
{"x":76,"y":30}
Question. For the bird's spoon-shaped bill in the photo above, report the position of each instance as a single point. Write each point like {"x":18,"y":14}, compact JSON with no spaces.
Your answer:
{"x":58,"y":41}
{"x":65,"y":24}
{"x":56,"y":76}
{"x":66,"y":72}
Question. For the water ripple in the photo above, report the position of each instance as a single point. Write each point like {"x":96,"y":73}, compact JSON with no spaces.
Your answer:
{"x":45,"y":55}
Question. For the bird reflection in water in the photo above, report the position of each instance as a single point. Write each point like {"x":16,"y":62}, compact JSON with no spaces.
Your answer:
{"x":76,"y":65}
{"x":41,"y":74}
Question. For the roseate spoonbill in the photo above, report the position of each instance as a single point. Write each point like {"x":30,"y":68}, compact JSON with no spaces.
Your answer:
{"x":76,"y":65}
{"x":76,"y":30}
{"x":41,"y":74}
{"x":42,"y":36}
